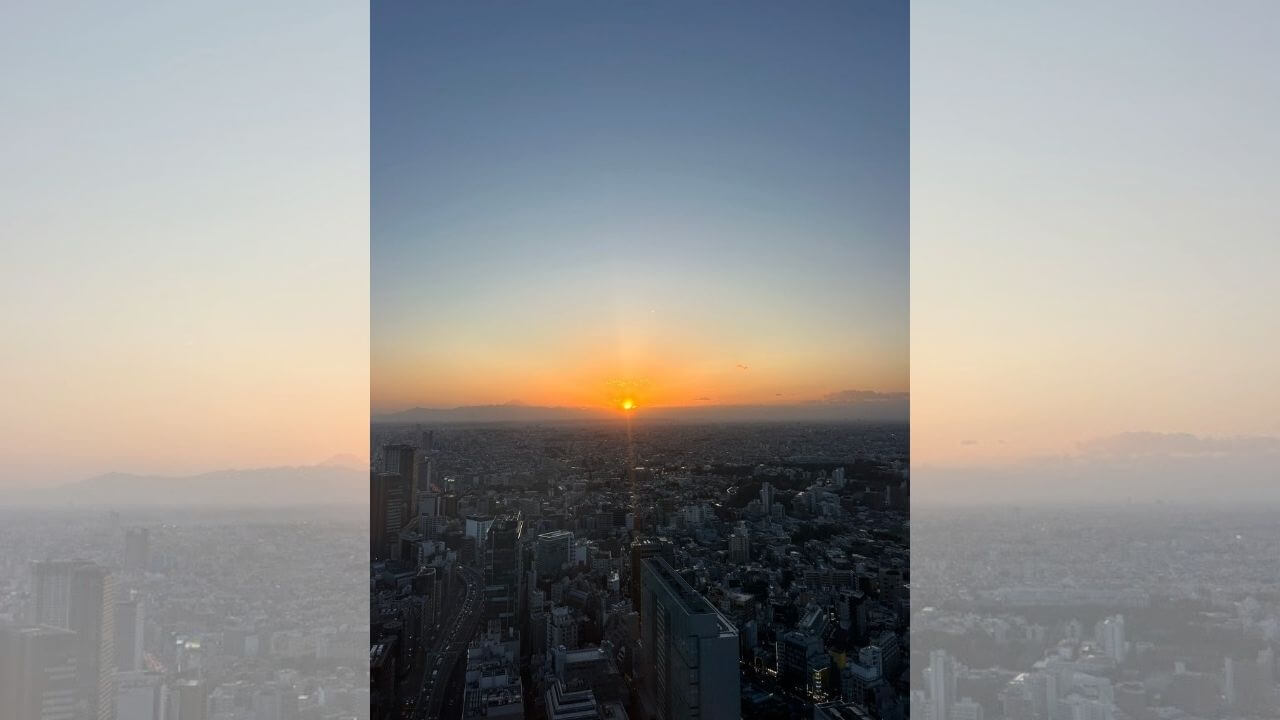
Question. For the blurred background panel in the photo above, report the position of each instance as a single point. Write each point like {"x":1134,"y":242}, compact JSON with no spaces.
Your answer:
{"x":185,"y":255}
{"x":184,"y":305}
{"x":1093,"y":360}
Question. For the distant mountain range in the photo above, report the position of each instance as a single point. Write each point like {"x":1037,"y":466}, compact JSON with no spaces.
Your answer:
{"x":346,"y":460}
{"x":1115,"y":471}
{"x":493,"y":413}
{"x":889,"y":407}
{"x":327,"y":484}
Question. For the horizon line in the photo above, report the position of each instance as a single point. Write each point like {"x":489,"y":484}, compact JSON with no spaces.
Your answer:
{"x":887,"y":395}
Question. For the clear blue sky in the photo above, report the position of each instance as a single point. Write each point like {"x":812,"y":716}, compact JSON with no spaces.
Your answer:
{"x":723,"y":180}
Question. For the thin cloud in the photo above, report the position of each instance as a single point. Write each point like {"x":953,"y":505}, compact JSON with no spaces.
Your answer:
{"x":1178,"y":468}
{"x":1146,"y":444}
{"x":845,"y":397}
{"x":740,"y":366}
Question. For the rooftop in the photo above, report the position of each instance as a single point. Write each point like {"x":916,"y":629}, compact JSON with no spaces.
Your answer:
{"x":691,"y":600}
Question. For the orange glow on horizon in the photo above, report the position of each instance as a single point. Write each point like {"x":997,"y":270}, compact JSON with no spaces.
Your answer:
{"x":591,"y":370}
{"x":590,"y":388}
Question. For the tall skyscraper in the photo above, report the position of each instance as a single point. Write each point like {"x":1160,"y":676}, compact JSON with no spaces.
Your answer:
{"x":739,"y":545}
{"x":428,"y":504}
{"x":399,"y":458}
{"x":477,"y":527}
{"x":402,"y":460}
{"x":502,"y":572}
{"x":38,"y":673}
{"x":189,"y":700}
{"x":793,"y":650}
{"x":692,"y":649}
{"x":640,"y":550}
{"x":942,"y":685}
{"x":388,"y":508}
{"x":766,"y":497}
{"x":80,"y":596}
{"x":852,"y":612}
{"x":426,"y":473}
{"x":552,"y":552}
{"x":93,"y":620}
{"x":129,"y":632}
{"x":51,"y":592}
{"x":1110,"y":635}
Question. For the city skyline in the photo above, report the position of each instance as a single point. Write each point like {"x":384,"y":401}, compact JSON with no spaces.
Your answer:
{"x":669,"y":360}
{"x":850,"y":405}
{"x":639,"y":360}
{"x":590,"y":206}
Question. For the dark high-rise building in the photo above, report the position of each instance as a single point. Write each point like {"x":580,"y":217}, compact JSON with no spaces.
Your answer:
{"x":429,"y":584}
{"x":740,"y":545}
{"x":129,"y":632}
{"x":93,"y":620}
{"x":402,"y":460}
{"x":941,"y":678}
{"x":38,"y":673}
{"x":51,"y":592}
{"x":502,"y":571}
{"x":449,"y":505}
{"x":429,"y":504}
{"x":852,"y":612}
{"x":426,"y":473}
{"x":388,"y":508}
{"x":189,"y":700}
{"x":551,"y":552}
{"x":691,"y":650}
{"x":80,"y":596}
{"x":382,"y":678}
{"x":647,"y":548}
{"x":767,"y":495}
{"x":793,"y":651}
{"x":399,"y":458}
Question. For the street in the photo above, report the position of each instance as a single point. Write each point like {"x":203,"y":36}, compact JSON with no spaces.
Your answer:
{"x":444,"y":676}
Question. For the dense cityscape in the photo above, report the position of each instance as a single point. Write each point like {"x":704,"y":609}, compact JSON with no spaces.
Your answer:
{"x":1125,"y":612}
{"x":639,"y":570}
{"x":183,"y":613}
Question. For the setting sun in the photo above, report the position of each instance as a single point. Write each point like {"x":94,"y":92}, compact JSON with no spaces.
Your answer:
{"x":628,"y":404}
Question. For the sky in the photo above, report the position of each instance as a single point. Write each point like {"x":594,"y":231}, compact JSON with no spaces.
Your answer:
{"x":1093,"y":226}
{"x":680,"y":204}
{"x":184,"y":269}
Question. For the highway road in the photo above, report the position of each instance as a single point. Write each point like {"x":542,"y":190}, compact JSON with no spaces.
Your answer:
{"x":440,"y":695}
